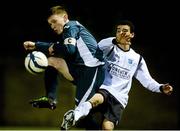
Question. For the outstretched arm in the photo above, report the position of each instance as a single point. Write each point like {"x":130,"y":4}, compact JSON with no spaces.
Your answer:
{"x":41,"y":46}
{"x":143,"y":75}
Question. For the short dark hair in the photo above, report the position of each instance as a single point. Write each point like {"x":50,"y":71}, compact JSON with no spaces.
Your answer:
{"x":126,"y":22}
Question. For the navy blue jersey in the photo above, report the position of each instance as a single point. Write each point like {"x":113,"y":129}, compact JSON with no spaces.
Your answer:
{"x":80,"y":45}
{"x":77,"y":45}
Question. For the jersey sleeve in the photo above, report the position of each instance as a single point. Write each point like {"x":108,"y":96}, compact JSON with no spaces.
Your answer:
{"x":68,"y":44}
{"x":105,"y":45}
{"x":43,"y":46}
{"x":143,"y":76}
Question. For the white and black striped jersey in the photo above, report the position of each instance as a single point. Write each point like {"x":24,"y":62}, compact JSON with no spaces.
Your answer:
{"x":120,"y":68}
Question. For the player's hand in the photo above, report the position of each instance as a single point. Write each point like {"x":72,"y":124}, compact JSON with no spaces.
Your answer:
{"x":29,"y":45}
{"x":167,"y":89}
{"x":51,"y":50}
{"x":127,"y":37}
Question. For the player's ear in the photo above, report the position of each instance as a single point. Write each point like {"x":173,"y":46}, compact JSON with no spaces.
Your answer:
{"x":132,"y":35}
{"x":65,"y":17}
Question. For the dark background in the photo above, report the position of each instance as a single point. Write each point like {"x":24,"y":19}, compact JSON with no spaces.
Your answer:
{"x":156,"y":39}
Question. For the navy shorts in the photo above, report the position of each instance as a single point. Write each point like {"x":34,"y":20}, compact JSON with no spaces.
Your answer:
{"x":87,"y":81}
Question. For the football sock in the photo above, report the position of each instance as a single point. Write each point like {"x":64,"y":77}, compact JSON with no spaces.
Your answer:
{"x":51,"y":75}
{"x":82,"y":110}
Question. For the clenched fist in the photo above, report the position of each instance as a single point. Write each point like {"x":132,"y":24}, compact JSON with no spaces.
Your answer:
{"x":167,"y":89}
{"x":29,"y":45}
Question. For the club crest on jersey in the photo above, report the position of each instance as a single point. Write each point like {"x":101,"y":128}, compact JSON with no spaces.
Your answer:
{"x":130,"y":61}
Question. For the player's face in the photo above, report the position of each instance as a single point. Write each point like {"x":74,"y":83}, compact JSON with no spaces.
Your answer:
{"x":123,"y":35}
{"x":57,"y":22}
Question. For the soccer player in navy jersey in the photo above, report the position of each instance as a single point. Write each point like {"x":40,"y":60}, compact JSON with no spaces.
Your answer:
{"x":76,"y":56}
{"x":122,"y":63}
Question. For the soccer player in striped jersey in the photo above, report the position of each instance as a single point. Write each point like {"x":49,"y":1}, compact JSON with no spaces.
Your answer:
{"x":76,"y":56}
{"x":122,"y":64}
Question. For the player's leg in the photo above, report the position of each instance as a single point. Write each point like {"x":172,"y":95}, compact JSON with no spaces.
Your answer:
{"x":51,"y":81}
{"x":96,"y":99}
{"x":88,"y":83}
{"x":107,"y":125}
{"x":113,"y":110}
{"x":60,"y":65}
{"x":51,"y":74}
{"x":56,"y":65}
{"x":83,"y":109}
{"x":87,"y":86}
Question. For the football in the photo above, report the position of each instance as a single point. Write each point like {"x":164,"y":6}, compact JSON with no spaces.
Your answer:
{"x":36,"y":62}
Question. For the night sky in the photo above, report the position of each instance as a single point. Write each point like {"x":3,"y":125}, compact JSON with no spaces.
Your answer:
{"x":156,"y":28}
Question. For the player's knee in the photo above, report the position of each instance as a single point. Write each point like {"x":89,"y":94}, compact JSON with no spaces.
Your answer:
{"x":96,"y":100}
{"x":60,"y":65}
{"x":107,"y":125}
{"x":55,"y":62}
{"x":51,"y":61}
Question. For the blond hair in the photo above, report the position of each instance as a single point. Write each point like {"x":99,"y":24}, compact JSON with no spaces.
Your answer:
{"x":57,"y":10}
